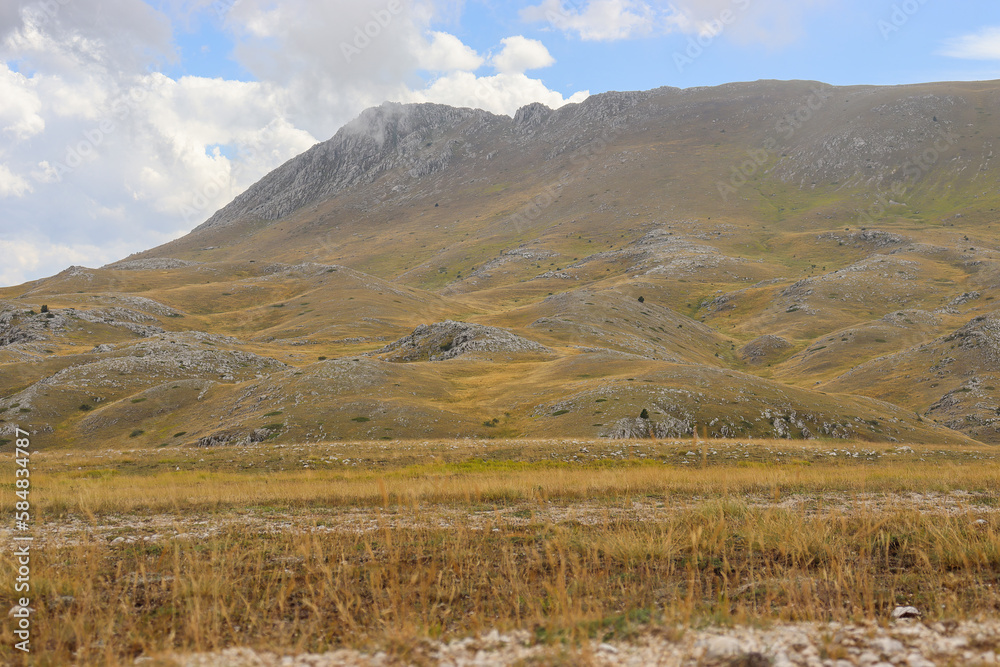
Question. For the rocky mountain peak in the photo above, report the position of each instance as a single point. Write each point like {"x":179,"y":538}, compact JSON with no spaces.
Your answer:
{"x":380,"y":139}
{"x":531,"y":115}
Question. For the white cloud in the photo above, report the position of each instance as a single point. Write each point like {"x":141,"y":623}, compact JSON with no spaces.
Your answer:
{"x":101,"y":158}
{"x":19,"y":111}
{"x":600,"y":20}
{"x":520,"y":54}
{"x":772,"y":23}
{"x":768,"y":23}
{"x":982,"y":45}
{"x":29,"y":257}
{"x":503,"y":93}
{"x":12,"y":185}
{"x":60,"y":35}
{"x":446,"y":53}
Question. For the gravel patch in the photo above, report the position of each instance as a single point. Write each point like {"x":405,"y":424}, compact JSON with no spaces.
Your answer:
{"x":131,"y":529}
{"x":905,"y":643}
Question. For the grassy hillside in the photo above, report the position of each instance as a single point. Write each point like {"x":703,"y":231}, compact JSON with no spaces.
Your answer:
{"x":775,"y":259}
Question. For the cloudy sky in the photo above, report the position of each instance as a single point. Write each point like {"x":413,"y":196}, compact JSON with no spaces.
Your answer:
{"x":126,"y":123}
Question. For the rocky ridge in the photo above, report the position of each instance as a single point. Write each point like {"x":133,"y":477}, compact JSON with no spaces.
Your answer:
{"x":447,"y":340}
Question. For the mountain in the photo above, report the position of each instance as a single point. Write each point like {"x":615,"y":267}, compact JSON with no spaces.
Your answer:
{"x":768,"y":259}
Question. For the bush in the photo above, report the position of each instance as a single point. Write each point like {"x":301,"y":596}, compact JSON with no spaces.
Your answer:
{"x":136,"y":433}
{"x":644,"y":414}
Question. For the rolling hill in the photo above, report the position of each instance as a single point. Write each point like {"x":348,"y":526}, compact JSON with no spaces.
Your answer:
{"x":767,"y":259}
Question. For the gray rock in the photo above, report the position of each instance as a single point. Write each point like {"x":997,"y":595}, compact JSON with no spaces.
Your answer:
{"x":631,"y":428}
{"x":379,"y":140}
{"x":450,"y":339}
{"x":905,"y":612}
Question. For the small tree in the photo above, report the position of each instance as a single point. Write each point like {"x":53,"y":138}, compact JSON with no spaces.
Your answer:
{"x":642,"y":299}
{"x":644,"y":414}
{"x":45,"y":309}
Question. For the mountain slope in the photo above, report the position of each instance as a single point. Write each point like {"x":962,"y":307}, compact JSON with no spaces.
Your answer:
{"x":769,"y":258}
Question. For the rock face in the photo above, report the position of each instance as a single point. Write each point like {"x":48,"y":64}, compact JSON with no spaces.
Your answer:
{"x":449,"y":339}
{"x":231,"y":438}
{"x":762,"y":349}
{"x":150,"y":264}
{"x":636,"y":428}
{"x":410,"y":139}
{"x":982,"y":335}
{"x":380,"y":139}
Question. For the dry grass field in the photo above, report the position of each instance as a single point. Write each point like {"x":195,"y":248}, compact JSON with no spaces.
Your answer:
{"x":451,"y":377}
{"x":374,"y":546}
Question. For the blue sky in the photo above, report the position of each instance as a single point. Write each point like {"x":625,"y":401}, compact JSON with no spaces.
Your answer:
{"x":841,"y":43}
{"x":125,"y":123}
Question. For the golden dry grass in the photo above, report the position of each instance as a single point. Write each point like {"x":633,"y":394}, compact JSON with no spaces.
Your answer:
{"x":485,"y":482}
{"x":482,"y":548}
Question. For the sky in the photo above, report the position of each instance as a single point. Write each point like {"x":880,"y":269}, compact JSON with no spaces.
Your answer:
{"x":126,"y":123}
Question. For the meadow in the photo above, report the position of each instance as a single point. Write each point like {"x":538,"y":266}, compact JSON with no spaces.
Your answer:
{"x":158,"y":553}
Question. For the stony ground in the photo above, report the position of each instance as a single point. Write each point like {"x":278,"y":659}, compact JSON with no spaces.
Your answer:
{"x":163,"y":527}
{"x":903,"y":643}
{"x":897,"y":643}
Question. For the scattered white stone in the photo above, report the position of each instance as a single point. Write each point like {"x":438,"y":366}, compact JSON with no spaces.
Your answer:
{"x":887,"y":645}
{"x":722,"y":647}
{"x":905,"y":612}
